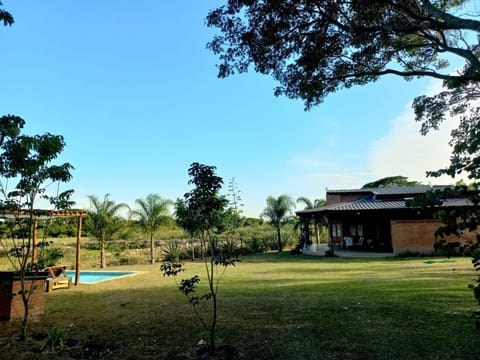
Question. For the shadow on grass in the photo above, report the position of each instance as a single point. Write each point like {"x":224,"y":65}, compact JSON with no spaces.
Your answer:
{"x":274,"y":310}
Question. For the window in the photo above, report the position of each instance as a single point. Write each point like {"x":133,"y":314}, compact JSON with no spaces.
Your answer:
{"x":336,"y":230}
{"x":356,"y":230}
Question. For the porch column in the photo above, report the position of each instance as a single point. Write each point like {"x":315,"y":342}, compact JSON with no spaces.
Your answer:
{"x":305,"y":231}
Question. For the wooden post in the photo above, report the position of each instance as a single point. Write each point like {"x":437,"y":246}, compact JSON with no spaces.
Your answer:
{"x":34,"y":242}
{"x":77,"y":253}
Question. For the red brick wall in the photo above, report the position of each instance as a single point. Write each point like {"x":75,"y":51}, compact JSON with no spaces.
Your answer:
{"x":418,"y":235}
{"x":12,"y":307}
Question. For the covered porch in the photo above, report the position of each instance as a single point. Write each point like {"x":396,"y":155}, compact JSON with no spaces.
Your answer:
{"x":349,"y":232}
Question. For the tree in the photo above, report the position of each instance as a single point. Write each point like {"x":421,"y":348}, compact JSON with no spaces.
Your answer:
{"x":277,"y":212}
{"x":103,"y":221}
{"x":202,"y":211}
{"x":25,"y":161}
{"x":312,"y":205}
{"x":151,"y":213}
{"x":391,"y":181}
{"x":5,"y":16}
{"x":314,"y":48}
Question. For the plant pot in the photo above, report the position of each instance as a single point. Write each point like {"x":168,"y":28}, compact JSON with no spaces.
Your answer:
{"x":11,"y":304}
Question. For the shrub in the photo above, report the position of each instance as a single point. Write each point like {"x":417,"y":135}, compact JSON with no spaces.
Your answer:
{"x":448,"y":249}
{"x":173,"y":251}
{"x":56,"y":338}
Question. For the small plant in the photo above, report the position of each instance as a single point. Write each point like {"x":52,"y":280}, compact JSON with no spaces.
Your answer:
{"x":56,"y":338}
{"x":173,"y":252}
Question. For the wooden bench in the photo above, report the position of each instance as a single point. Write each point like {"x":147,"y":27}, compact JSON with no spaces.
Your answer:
{"x":58,"y":278}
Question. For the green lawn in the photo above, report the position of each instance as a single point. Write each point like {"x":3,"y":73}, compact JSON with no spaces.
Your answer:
{"x":276,"y":306}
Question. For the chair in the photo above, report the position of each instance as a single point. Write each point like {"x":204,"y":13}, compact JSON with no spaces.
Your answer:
{"x":348,"y":241}
{"x":58,"y":278}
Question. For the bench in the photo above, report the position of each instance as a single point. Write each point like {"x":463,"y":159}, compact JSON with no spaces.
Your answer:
{"x":57,"y":278}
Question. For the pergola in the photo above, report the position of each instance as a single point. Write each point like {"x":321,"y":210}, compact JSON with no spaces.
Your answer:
{"x":48,"y":214}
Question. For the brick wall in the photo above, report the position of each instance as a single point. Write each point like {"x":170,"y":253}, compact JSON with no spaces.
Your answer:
{"x":418,"y":235}
{"x":11,"y":304}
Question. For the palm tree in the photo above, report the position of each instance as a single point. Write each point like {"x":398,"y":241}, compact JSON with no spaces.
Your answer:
{"x":312,"y":205}
{"x":150,"y":215}
{"x":277,"y":211}
{"x":103,"y":221}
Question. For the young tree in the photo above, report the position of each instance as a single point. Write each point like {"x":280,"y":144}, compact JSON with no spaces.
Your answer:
{"x":202,"y":211}
{"x":277,"y":211}
{"x":26,"y":162}
{"x":151,"y":213}
{"x":103,"y":221}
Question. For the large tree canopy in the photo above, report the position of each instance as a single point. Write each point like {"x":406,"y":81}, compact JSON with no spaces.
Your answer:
{"x":315,"y":47}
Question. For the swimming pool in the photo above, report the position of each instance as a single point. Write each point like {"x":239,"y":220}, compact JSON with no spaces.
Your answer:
{"x":93,"y":277}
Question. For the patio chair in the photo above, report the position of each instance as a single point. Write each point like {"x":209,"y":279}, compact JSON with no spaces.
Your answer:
{"x":58,"y":278}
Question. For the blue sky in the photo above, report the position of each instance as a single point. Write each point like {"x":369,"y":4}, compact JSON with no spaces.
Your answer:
{"x":133,"y":89}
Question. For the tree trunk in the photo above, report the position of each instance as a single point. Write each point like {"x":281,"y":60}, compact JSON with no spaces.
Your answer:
{"x":152,"y":250}
{"x":26,"y":307}
{"x":211,"y":285}
{"x":102,"y":255}
{"x":279,"y":237}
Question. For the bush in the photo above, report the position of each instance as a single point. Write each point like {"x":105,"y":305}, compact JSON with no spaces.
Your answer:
{"x":256,"y":245}
{"x":448,"y":249}
{"x":49,"y":256}
{"x":413,"y":253}
{"x":174,"y":251}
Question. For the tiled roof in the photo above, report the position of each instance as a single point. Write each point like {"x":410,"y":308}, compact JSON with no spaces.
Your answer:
{"x":394,"y":190}
{"x":372,"y":204}
{"x":362,"y":204}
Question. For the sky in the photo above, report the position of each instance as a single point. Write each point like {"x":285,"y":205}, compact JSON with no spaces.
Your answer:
{"x":134,"y":91}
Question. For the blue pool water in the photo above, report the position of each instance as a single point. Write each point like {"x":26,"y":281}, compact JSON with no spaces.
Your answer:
{"x":92,"y":277}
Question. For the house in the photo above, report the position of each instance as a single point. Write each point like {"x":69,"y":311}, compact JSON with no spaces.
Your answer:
{"x":380,"y":219}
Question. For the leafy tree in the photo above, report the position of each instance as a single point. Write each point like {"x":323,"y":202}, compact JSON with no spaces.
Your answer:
{"x":312,"y":205}
{"x":202,"y":212}
{"x":277,"y":211}
{"x":391,"y":181}
{"x":314,"y":48}
{"x":26,"y":163}
{"x":151,"y":213}
{"x":103,"y":221}
{"x":5,"y":16}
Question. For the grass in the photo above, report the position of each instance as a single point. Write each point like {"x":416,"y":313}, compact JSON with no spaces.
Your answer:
{"x":275,"y":306}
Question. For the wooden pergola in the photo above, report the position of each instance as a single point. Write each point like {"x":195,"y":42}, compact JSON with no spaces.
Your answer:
{"x":48,"y":214}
